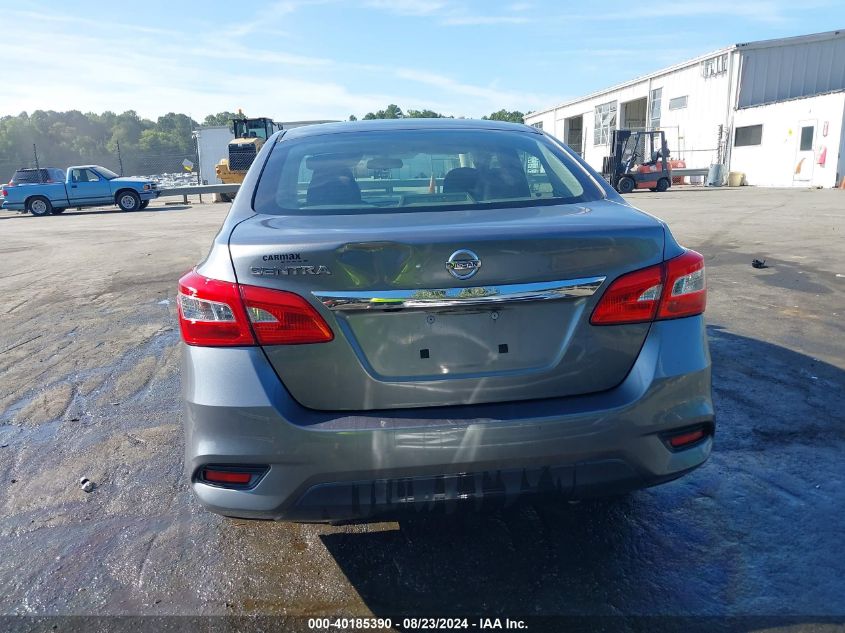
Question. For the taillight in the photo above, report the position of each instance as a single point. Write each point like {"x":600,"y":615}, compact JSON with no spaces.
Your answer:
{"x":283,"y":318}
{"x":210,"y":312}
{"x":632,"y":298}
{"x":676,"y":288}
{"x":686,"y":289}
{"x":220,"y":313}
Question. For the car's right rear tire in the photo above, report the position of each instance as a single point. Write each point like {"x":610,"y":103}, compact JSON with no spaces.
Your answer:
{"x":39,"y":206}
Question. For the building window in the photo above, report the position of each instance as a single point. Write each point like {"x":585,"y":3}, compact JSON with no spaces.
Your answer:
{"x":605,"y":122}
{"x":806,"y":139}
{"x":538,"y":125}
{"x":654,"y":113}
{"x":714,"y":66}
{"x":748,"y":135}
{"x":678,"y":103}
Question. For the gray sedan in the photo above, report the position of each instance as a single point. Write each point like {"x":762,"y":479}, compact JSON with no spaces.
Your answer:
{"x":421,"y":314}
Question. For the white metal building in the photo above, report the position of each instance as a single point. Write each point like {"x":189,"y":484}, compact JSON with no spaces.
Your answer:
{"x":773,"y":109}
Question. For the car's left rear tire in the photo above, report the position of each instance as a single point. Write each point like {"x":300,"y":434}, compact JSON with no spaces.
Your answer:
{"x":128,"y":201}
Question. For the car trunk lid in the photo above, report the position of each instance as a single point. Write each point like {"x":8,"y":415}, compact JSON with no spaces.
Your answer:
{"x":418,"y":322}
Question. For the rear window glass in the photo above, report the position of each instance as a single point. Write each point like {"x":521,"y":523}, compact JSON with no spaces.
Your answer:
{"x":416,"y":170}
{"x":30,"y":176}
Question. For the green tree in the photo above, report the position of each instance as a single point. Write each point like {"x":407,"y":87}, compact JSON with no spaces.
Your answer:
{"x":352,"y":117}
{"x":221,"y":118}
{"x":392,"y":111}
{"x":176,"y":130}
{"x":514,"y":116}
{"x":424,"y":114}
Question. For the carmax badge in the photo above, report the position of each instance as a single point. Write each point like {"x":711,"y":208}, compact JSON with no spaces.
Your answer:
{"x":463,"y":264}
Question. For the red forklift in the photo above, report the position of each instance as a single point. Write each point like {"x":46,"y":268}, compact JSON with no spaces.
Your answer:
{"x":640,"y":160}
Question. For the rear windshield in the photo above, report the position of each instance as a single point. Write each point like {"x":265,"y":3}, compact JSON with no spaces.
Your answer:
{"x":416,"y":170}
{"x":30,"y":176}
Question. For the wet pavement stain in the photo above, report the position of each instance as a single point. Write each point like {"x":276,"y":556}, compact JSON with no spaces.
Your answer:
{"x":754,"y":531}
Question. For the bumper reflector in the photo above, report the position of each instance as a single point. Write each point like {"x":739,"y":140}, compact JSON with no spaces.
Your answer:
{"x":224,"y":477}
{"x":231,"y":476}
{"x":686,"y":438}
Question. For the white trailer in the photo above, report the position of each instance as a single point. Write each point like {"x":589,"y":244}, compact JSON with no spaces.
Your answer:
{"x":212,"y":142}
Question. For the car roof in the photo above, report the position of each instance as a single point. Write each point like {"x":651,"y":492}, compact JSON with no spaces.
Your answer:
{"x":404,"y":124}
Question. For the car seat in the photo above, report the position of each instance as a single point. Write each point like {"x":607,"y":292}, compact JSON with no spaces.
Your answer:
{"x":506,"y":182}
{"x":461,"y":180}
{"x":333,"y":184}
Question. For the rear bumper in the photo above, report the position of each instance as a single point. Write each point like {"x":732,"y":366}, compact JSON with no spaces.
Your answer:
{"x":338,"y":466}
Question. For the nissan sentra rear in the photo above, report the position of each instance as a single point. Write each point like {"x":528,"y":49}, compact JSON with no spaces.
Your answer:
{"x":408,"y":315}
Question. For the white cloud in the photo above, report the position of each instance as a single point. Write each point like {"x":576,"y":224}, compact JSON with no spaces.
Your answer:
{"x":407,"y":7}
{"x":89,"y":67}
{"x":481,"y":20}
{"x":491,"y":96}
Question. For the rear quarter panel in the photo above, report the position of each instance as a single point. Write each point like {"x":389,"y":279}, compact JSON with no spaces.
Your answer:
{"x":19,"y":194}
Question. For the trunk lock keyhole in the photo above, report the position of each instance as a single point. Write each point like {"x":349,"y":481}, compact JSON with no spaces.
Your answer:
{"x":429,"y":319}
{"x":494,"y":315}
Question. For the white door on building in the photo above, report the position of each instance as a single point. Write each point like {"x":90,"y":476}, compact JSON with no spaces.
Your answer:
{"x":805,"y":156}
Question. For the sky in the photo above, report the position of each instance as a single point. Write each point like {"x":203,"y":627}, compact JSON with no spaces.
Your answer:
{"x":326,"y":59}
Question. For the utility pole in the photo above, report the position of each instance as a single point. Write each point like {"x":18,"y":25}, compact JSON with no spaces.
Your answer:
{"x":119,"y":158}
{"x":37,"y":167}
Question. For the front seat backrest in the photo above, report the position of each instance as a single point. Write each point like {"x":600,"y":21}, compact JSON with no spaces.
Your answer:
{"x":506,"y":182}
{"x":333,"y":185}
{"x":461,"y":180}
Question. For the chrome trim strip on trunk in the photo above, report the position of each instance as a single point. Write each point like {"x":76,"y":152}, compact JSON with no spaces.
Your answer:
{"x":458,"y":297}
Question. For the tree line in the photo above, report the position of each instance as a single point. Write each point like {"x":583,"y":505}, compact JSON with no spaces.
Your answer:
{"x":74,"y":137}
{"x":393,"y":111}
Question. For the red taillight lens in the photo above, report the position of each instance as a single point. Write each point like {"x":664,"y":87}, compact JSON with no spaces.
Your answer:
{"x":220,"y":313}
{"x":686,"y":288}
{"x":632,"y":298}
{"x":676,"y":288}
{"x":283,"y":318}
{"x":210,"y":312}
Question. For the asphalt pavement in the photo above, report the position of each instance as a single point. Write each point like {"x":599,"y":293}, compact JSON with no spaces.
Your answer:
{"x":90,"y":388}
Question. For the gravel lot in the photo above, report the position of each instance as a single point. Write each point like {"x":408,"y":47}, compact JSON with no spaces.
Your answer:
{"x":90,"y":387}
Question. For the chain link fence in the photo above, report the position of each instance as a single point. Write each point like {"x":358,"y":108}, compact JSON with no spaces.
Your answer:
{"x":167,"y":169}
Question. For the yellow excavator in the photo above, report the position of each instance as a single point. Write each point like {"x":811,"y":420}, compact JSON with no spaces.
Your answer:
{"x":250,"y":136}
